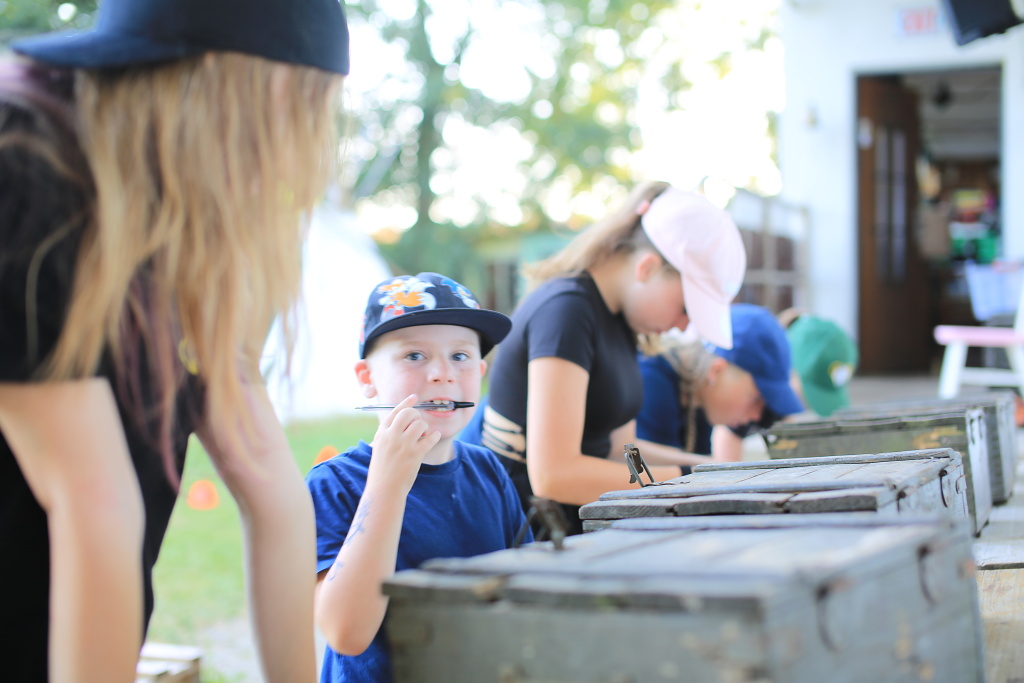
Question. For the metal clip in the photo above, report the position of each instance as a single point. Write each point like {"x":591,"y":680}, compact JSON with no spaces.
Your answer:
{"x":635,"y":463}
{"x":551,"y":522}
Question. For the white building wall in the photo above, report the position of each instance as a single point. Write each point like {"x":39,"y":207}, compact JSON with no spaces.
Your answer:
{"x":341,"y":265}
{"x":828,"y":43}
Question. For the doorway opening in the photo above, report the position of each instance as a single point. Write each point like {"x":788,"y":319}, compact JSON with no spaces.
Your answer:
{"x":928,"y":152}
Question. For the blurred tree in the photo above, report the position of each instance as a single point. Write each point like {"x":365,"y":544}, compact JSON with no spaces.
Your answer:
{"x":550,"y":86}
{"x":581,"y":117}
{"x":564,"y":91}
{"x":25,"y":17}
{"x":574,"y":113}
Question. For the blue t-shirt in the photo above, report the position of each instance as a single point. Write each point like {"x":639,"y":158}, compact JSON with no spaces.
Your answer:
{"x":461,"y":508}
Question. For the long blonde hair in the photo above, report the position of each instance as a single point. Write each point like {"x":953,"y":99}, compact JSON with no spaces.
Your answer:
{"x":202,"y":170}
{"x":692,"y":361}
{"x":617,"y":233}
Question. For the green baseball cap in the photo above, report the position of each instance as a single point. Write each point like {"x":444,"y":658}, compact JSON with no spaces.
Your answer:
{"x":825,"y":358}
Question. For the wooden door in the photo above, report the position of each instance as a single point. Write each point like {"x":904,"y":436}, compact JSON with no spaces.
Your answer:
{"x":894,"y":331}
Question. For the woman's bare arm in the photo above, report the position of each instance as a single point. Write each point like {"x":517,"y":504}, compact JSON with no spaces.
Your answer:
{"x":555,"y":415}
{"x":652,"y":452}
{"x":280,"y":537}
{"x":725,"y":445}
{"x":68,"y":441}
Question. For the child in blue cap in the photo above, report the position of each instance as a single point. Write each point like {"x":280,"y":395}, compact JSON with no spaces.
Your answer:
{"x":691,"y":387}
{"x":414,"y":493}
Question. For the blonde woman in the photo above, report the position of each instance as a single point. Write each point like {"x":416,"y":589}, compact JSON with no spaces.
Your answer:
{"x":153,"y":174}
{"x":565,"y":385}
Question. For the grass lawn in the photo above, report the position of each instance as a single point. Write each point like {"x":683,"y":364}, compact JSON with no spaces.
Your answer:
{"x":198,"y":578}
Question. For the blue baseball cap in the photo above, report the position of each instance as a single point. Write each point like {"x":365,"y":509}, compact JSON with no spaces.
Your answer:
{"x":760,"y":347}
{"x":428,"y":299}
{"x":132,"y":32}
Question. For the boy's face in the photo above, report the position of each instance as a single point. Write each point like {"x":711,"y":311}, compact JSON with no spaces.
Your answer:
{"x":731,"y":397}
{"x":435,"y":362}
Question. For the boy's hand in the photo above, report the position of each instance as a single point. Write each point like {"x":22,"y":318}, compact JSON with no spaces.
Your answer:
{"x":399,"y":446}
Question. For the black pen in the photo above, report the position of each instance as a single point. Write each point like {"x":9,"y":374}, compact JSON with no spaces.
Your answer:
{"x":427,"y":405}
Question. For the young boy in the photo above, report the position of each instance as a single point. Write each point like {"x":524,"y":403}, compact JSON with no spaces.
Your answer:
{"x":414,"y":493}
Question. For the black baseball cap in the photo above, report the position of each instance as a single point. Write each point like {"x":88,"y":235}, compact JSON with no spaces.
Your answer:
{"x":131,"y":32}
{"x":428,"y":299}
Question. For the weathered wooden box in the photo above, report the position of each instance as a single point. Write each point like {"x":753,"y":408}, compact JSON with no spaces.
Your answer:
{"x":844,"y":598}
{"x":885,"y":483}
{"x":963,"y":431}
{"x":1000,"y":428}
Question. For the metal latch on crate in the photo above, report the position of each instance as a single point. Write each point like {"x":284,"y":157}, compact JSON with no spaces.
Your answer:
{"x":637,"y":466}
{"x":550,"y":522}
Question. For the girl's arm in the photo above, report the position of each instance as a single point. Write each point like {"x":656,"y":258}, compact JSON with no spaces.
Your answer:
{"x":725,"y":445}
{"x":555,"y":412}
{"x":350,"y":606}
{"x":68,"y":441}
{"x":279,"y":534}
{"x":653,"y":453}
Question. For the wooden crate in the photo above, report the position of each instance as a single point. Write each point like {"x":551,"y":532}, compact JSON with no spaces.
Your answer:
{"x":999,"y":555}
{"x":963,"y":431}
{"x":165,"y":663}
{"x":1001,"y":593}
{"x":1000,"y":429}
{"x":885,"y":483}
{"x":843,"y":598}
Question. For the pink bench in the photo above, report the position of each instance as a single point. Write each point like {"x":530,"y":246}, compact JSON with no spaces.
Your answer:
{"x":958,"y":338}
{"x":998,"y":337}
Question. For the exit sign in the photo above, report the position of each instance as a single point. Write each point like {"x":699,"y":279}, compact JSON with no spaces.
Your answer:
{"x":919,"y":20}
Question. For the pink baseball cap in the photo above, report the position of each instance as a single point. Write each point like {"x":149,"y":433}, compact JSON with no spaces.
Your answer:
{"x":703,"y":243}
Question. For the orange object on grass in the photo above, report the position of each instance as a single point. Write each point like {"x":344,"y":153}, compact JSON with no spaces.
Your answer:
{"x":326,"y":453}
{"x":202,"y":495}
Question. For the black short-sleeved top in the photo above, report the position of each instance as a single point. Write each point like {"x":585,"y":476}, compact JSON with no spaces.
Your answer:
{"x":37,"y":204}
{"x":567,"y":318}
